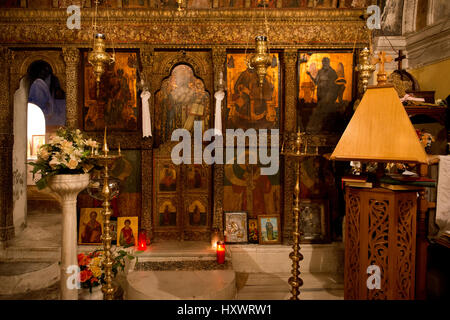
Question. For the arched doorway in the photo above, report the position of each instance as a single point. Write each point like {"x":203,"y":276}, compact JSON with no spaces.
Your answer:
{"x":182,"y":202}
{"x":39,"y":93}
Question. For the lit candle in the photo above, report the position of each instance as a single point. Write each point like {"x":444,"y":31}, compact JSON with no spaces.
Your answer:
{"x":214,"y":239}
{"x":120,"y":153}
{"x":220,"y":252}
{"x":142,"y":241}
{"x":105,"y":145}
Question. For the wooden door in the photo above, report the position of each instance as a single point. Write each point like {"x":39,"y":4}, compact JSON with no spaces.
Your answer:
{"x":182,"y":205}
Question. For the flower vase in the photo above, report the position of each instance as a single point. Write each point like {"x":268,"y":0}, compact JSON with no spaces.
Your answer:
{"x":68,"y":186}
{"x":94,"y":294}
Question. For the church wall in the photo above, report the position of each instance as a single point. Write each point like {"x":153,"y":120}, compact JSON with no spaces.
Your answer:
{"x":434,"y":77}
{"x":20,"y":157}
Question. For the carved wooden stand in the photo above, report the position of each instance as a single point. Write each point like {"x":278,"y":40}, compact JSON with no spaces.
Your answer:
{"x":380,"y":230}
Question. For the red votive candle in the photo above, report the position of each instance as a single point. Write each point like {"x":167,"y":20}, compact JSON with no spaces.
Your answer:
{"x":220,"y":252}
{"x":142,"y":241}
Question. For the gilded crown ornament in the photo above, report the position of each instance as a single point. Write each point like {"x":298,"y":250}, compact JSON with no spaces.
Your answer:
{"x":261,"y":60}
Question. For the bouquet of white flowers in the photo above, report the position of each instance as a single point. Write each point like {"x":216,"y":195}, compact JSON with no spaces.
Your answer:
{"x":66,"y":153}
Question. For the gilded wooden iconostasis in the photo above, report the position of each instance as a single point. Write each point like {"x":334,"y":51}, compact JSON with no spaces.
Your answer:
{"x":190,"y":49}
{"x":182,"y":194}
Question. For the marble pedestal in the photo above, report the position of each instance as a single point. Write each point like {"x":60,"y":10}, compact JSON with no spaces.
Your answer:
{"x":67,"y":186}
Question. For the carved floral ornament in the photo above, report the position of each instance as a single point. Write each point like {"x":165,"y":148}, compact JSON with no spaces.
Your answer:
{"x":193,"y":28}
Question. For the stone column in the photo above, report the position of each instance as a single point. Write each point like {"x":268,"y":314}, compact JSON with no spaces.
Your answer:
{"x":219,"y":57}
{"x":6,"y":149}
{"x":147,"y":58}
{"x":72,"y":60}
{"x":68,"y":186}
{"x":290,"y":116}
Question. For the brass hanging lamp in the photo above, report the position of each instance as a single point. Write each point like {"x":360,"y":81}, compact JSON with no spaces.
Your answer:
{"x":98,"y":57}
{"x":261,"y":60}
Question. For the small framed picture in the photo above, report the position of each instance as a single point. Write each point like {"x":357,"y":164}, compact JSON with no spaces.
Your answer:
{"x":253,"y":234}
{"x":314,"y":221}
{"x":36,"y":142}
{"x":91,"y":226}
{"x":127,"y":231}
{"x":236,"y":227}
{"x":113,"y":230}
{"x":269,"y":229}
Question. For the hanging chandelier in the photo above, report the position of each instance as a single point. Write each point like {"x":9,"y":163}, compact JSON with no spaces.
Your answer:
{"x":98,"y":57}
{"x":260,"y":61}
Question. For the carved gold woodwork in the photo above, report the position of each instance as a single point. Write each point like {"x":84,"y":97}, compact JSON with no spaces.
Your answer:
{"x":304,"y":28}
{"x":72,"y":61}
{"x":219,"y":57}
{"x":146,"y":221}
{"x":380,"y":230}
{"x":290,"y":73}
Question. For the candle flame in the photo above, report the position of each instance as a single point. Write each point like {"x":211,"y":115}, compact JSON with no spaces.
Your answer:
{"x":105,"y":145}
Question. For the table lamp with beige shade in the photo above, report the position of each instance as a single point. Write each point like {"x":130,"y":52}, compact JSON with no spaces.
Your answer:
{"x":380,"y":227}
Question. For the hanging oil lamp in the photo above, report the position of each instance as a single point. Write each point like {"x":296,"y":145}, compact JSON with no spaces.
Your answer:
{"x":99,"y":58}
{"x":180,"y":4}
{"x":365,"y":68}
{"x":261,"y":60}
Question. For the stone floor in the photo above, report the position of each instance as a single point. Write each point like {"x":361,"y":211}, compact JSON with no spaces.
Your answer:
{"x":50,"y":293}
{"x":43,"y":230}
{"x":41,"y":242}
{"x":15,"y":268}
{"x":249,"y":287}
{"x":272,"y":286}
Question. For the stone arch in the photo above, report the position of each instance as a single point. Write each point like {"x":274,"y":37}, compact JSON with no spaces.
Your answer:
{"x":26,"y":63}
{"x":24,"y":59}
{"x":20,"y":86}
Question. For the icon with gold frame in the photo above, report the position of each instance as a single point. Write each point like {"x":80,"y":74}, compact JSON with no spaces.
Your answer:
{"x":127,"y":231}
{"x":269,"y":229}
{"x":90,"y":226}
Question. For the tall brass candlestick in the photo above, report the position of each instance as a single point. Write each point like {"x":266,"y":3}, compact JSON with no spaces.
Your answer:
{"x":296,"y":145}
{"x":106,"y":161}
{"x":107,"y":288}
{"x":295,"y":281}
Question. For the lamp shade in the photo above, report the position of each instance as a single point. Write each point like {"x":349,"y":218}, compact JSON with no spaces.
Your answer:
{"x":380,"y":131}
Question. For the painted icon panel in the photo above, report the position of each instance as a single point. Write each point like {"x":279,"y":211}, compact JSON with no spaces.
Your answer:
{"x":250,"y":105}
{"x":115,"y":106}
{"x":325,"y":90}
